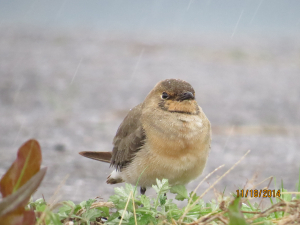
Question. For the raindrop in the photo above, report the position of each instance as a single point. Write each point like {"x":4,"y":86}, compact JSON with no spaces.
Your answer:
{"x":256,"y":11}
{"x":76,"y":70}
{"x":237,"y":24}
{"x":137,"y":63}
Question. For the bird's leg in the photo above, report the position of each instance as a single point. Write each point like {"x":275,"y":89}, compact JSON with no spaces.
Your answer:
{"x":143,"y":190}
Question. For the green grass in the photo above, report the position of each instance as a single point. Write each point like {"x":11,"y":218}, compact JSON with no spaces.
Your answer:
{"x":126,"y":206}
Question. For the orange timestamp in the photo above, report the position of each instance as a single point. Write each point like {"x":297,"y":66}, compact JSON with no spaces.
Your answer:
{"x":265,"y":193}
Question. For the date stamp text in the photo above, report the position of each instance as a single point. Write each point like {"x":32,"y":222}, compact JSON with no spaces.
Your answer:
{"x":265,"y":193}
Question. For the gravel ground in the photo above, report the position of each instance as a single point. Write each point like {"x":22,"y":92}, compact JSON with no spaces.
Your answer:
{"x":71,"y":89}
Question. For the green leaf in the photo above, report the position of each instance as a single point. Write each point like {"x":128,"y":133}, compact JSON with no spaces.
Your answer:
{"x":235,"y":215}
{"x":114,"y":198}
{"x":162,"y":199}
{"x":195,"y":197}
{"x":67,"y":207}
{"x":55,"y":219}
{"x":89,"y":203}
{"x":121,"y":192}
{"x":127,"y":215}
{"x":105,"y":211}
{"x":77,"y":208}
{"x":161,"y":187}
{"x":91,"y":214}
{"x":113,"y":216}
{"x":131,"y":221}
{"x":145,"y":201}
{"x":146,"y":219}
{"x":63,"y":215}
{"x":41,"y":208}
{"x":121,"y":205}
{"x":129,"y":188}
{"x":39,"y":201}
{"x":82,"y":204}
{"x":285,"y":197}
{"x":170,"y":206}
{"x":181,"y":192}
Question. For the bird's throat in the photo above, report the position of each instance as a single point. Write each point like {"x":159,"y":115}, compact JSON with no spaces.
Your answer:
{"x":188,"y":107}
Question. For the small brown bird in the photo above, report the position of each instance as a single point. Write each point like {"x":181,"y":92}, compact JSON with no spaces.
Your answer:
{"x":166,"y":136}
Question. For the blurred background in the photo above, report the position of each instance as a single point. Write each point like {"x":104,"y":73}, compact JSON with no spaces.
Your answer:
{"x":71,"y":70}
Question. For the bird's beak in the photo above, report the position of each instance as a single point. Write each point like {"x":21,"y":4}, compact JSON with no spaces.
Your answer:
{"x":186,"y":96}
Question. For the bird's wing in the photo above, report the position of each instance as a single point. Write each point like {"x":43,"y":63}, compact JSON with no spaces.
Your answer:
{"x":129,"y":139}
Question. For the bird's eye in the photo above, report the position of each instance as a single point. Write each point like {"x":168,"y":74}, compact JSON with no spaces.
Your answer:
{"x":164,"y":95}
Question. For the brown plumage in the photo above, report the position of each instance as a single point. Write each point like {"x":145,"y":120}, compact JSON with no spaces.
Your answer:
{"x":166,"y":136}
{"x":100,"y":156}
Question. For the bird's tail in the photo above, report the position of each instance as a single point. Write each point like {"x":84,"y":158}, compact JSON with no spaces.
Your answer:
{"x":100,"y":156}
{"x":114,"y":178}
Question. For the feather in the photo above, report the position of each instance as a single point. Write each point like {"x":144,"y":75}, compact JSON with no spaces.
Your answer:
{"x":100,"y":156}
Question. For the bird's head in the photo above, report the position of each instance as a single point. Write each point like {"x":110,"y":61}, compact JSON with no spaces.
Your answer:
{"x":174,"y":95}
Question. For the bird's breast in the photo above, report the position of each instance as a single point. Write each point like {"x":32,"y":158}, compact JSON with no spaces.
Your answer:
{"x":178,"y":154}
{"x":178,"y":135}
{"x":176,"y":148}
